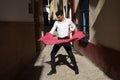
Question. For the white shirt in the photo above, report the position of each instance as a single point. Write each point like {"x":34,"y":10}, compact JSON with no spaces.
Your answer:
{"x":63,"y":27}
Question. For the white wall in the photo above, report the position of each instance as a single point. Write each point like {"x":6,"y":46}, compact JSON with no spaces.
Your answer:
{"x":15,"y":10}
{"x":106,"y":26}
{"x":95,"y":8}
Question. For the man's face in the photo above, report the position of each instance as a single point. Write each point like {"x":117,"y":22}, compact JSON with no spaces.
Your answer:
{"x":60,"y":17}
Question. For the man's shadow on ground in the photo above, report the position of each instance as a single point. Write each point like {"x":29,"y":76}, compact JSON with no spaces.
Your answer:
{"x":62,"y":60}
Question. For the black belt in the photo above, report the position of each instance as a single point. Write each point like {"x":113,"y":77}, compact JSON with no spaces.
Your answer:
{"x":64,"y":37}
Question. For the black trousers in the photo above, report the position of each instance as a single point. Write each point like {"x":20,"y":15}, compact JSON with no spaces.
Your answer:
{"x":67,"y":47}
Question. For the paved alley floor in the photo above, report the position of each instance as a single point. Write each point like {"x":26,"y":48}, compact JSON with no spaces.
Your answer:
{"x":87,"y":70}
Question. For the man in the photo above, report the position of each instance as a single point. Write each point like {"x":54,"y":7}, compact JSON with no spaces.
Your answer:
{"x":63,"y":27}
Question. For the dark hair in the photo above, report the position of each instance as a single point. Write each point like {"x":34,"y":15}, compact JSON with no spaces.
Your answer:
{"x":59,"y":12}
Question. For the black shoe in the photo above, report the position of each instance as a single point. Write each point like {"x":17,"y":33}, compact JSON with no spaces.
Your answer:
{"x":76,"y":71}
{"x":52,"y":72}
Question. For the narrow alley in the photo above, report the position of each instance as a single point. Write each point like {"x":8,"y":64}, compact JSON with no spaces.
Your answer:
{"x":23,"y":22}
{"x":87,"y":70}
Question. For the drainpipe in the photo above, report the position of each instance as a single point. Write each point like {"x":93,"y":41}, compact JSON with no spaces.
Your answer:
{"x":73,"y":4}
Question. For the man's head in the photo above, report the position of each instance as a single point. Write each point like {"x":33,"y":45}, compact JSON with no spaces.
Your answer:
{"x":60,"y":15}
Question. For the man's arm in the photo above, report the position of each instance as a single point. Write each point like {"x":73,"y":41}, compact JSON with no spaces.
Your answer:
{"x":53,"y":28}
{"x":73,"y":26}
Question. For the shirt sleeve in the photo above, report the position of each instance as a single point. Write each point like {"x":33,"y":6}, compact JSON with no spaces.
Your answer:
{"x":53,"y":28}
{"x":72,"y":26}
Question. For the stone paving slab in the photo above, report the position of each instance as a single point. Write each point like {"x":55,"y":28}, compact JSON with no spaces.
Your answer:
{"x":87,"y":70}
